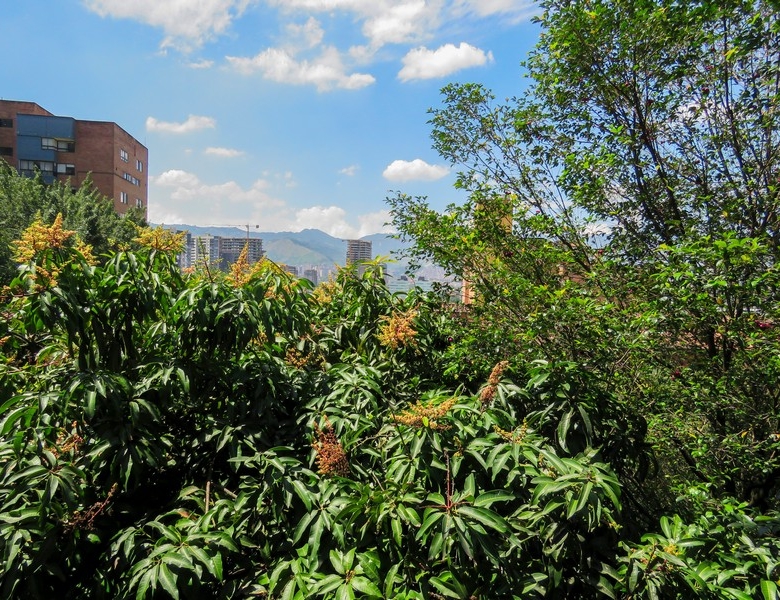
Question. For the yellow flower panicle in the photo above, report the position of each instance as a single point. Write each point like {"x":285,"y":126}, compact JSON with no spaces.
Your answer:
{"x":241,"y":270}
{"x":516,"y":436}
{"x":325,"y":292}
{"x":161,"y":239}
{"x":86,"y":251}
{"x":426,"y":415}
{"x":397,"y":330}
{"x":331,"y":457}
{"x":488,"y":393}
{"x":39,"y":237}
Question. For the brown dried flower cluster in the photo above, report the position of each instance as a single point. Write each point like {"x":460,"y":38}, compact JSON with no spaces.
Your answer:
{"x":331,"y":457}
{"x":397,"y":330}
{"x":489,"y":391}
{"x":516,"y":436}
{"x":67,"y":442}
{"x":425,"y":415}
{"x":86,"y":520}
{"x":161,"y":239}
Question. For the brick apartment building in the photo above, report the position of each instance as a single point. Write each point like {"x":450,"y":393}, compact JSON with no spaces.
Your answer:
{"x":67,"y":149}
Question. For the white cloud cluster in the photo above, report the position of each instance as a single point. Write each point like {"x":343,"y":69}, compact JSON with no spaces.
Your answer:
{"x":325,"y":72}
{"x":186,"y":24}
{"x":415,"y":170}
{"x":422,"y":63}
{"x":304,"y":57}
{"x":180,"y":197}
{"x":223,"y":152}
{"x":193,"y":123}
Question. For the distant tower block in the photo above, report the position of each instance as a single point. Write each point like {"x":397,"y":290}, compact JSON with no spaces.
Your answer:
{"x":358,"y":251}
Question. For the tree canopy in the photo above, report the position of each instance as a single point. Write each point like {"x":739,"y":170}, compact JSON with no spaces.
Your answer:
{"x":84,"y":210}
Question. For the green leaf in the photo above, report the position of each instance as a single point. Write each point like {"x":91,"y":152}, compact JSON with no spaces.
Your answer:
{"x":563,"y":428}
{"x":365,"y":586}
{"x":337,"y":561}
{"x":486,"y":499}
{"x":345,"y":593}
{"x":168,"y":580}
{"x":389,"y":584}
{"x":329,"y":583}
{"x":485,"y":516}
{"x":769,"y":589}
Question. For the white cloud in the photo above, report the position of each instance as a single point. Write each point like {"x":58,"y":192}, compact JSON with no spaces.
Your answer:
{"x":403,"y":22}
{"x":325,"y":72}
{"x":333,"y":221}
{"x":422,"y":63}
{"x":185,"y":23}
{"x":201,"y":64}
{"x":193,"y":123}
{"x":308,"y":35}
{"x":180,"y":197}
{"x":415,"y":170}
{"x":377,"y":222}
{"x":224,"y":152}
{"x":383,"y":21}
{"x":349,"y":171}
{"x":330,"y":219}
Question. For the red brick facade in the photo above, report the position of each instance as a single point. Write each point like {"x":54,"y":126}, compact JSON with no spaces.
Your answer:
{"x":117,"y":162}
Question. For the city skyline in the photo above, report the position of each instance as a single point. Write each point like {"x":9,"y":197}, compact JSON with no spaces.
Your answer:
{"x":285,"y":115}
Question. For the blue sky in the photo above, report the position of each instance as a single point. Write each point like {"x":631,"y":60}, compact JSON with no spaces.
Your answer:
{"x":286,"y":114}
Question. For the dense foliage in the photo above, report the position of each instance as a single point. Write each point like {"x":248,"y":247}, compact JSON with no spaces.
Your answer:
{"x":601,"y":421}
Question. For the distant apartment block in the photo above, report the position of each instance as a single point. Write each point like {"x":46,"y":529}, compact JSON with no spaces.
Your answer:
{"x":230,"y":249}
{"x":312,"y":275}
{"x":66,"y":149}
{"x":358,"y":251}
{"x":222,"y":251}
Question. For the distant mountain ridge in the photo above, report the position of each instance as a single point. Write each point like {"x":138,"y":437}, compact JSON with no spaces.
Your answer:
{"x":308,"y":247}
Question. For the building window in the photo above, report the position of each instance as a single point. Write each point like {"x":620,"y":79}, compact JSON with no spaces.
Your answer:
{"x":123,"y":155}
{"x":36,"y":165}
{"x":131,"y":179}
{"x":123,"y":197}
{"x":59,"y":145}
{"x":6,"y":122}
{"x":6,"y":151}
{"x":65,"y":169}
{"x":139,"y":166}
{"x":138,"y":203}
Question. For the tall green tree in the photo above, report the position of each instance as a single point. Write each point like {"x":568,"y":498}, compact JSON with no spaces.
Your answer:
{"x":640,"y":169}
{"x":84,"y":211}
